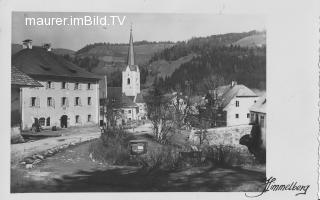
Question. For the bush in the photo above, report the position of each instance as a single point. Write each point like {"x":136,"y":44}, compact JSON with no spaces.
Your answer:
{"x":228,"y":156}
{"x":164,"y":158}
{"x":112,"y":148}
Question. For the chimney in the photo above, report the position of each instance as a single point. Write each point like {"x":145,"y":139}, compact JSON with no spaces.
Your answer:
{"x":233,"y":83}
{"x":27,"y":44}
{"x":47,"y":46}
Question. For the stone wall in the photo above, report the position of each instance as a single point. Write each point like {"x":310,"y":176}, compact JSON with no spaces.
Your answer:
{"x":223,"y":135}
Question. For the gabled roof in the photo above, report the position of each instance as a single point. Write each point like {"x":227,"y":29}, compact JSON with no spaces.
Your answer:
{"x":139,"y":98}
{"x":119,"y":99}
{"x":260,"y":105}
{"x":40,"y":62}
{"x":227,"y":93}
{"x":21,"y":79}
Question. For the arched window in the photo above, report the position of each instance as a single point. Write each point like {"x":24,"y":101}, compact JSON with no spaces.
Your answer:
{"x":128,"y":81}
{"x":42,"y":121}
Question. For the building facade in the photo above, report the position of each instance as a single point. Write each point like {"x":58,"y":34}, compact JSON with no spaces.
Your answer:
{"x":235,"y":101}
{"x":70,"y":96}
{"x":259,"y":117}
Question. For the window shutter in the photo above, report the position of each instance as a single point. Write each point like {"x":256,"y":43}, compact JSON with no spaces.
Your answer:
{"x":53,"y":103}
{"x":30,"y":101}
{"x":67,"y":85}
{"x":52,"y":85}
{"x":67,"y":102}
{"x":79,"y":86}
{"x":80,"y":102}
{"x":47,"y":85}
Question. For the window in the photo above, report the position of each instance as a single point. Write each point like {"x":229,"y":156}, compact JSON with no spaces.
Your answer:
{"x":262,"y":121}
{"x":42,"y":121}
{"x":89,"y":86}
{"x":129,"y":119}
{"x":89,"y":118}
{"x":129,"y":111}
{"x":33,"y":101}
{"x":77,"y":119}
{"x":76,"y":86}
{"x":122,"y":111}
{"x":248,"y":115}
{"x":128,"y":81}
{"x":49,"y":85}
{"x":48,"y":121}
{"x":77,"y":101}
{"x":64,"y":85}
{"x":89,"y":100}
{"x":64,"y":101}
{"x":237,"y":115}
{"x":237,"y":103}
{"x":49,"y":102}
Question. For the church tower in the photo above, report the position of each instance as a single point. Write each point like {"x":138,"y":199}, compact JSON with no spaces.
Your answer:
{"x":131,"y":75}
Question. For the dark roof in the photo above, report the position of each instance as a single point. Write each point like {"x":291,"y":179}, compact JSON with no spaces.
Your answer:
{"x":260,"y":105}
{"x":227,"y":93}
{"x":119,"y":99}
{"x":21,"y":79}
{"x":40,"y":62}
{"x":139,"y":98}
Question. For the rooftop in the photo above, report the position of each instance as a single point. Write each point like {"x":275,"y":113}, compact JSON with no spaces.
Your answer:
{"x":40,"y":62}
{"x":260,"y":105}
{"x":228,"y":92}
{"x":21,"y":79}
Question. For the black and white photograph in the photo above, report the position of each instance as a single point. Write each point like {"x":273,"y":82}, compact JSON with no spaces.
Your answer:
{"x":160,"y":101}
{"x":120,"y":108}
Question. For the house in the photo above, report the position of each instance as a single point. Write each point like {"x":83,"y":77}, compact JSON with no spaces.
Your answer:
{"x":127,"y":100}
{"x":19,"y":80}
{"x":70,"y":94}
{"x":234,"y":101}
{"x":258,"y":116}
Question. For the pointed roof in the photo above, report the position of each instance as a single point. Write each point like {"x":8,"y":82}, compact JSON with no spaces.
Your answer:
{"x":227,"y":93}
{"x":260,"y":105}
{"x":131,"y":52}
{"x":21,"y":79}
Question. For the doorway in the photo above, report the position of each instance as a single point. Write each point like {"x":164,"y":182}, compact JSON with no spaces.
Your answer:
{"x":64,"y":121}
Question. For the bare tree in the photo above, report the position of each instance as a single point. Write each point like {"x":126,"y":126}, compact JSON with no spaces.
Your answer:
{"x":159,"y":114}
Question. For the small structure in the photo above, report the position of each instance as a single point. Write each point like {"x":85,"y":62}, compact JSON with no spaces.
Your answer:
{"x":138,"y":147}
{"x":258,"y":117}
{"x":19,"y":80}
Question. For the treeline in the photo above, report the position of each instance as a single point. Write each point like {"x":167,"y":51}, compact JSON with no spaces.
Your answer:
{"x":143,"y":42}
{"x":197,"y":44}
{"x":245,"y":65}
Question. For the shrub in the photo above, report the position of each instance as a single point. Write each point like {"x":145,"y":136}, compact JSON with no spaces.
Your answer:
{"x":227,"y":155}
{"x":112,"y":148}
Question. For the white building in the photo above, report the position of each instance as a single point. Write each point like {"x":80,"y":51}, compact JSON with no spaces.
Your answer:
{"x":235,"y":101}
{"x":70,"y":94}
{"x":259,"y":117}
{"x":128,"y":98}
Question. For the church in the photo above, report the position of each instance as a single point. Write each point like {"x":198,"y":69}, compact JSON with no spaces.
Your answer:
{"x":128,"y":100}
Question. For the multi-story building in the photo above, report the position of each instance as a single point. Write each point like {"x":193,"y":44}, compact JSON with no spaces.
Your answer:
{"x":235,"y":101}
{"x":70,"y":96}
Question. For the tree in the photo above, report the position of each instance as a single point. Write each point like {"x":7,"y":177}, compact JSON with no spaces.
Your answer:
{"x":159,"y":114}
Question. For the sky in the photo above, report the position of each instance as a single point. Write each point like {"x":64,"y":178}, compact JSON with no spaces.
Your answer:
{"x":150,"y":27}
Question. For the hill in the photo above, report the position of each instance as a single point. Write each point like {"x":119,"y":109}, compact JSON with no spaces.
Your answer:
{"x":252,"y":41}
{"x":232,"y":56}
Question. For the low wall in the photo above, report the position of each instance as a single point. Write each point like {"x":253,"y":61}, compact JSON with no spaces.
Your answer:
{"x":223,"y":135}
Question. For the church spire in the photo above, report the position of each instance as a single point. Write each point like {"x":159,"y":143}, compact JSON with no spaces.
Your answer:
{"x":131,"y":52}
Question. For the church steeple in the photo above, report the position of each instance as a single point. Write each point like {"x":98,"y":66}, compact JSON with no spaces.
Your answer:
{"x":131,"y":52}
